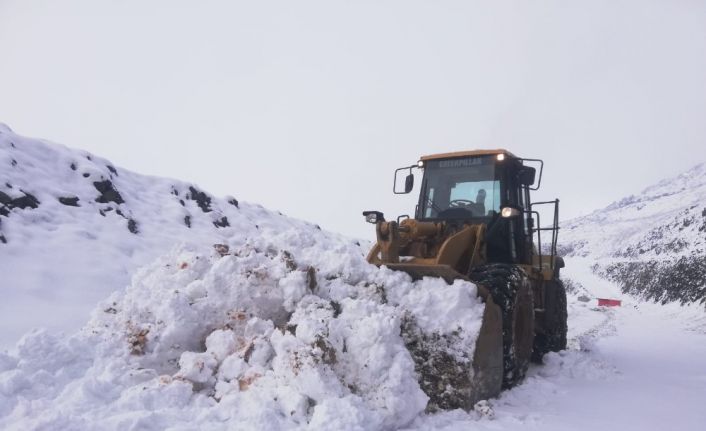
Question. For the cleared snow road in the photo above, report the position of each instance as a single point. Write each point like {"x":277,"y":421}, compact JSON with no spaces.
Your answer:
{"x":661,"y":376}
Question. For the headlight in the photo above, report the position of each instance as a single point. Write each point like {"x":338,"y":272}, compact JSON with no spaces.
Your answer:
{"x":420,"y":164}
{"x":501,"y":157}
{"x":508,"y":212}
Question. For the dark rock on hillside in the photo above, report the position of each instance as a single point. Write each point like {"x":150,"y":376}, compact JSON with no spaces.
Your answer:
{"x":69,"y":201}
{"x":132,"y":226}
{"x":107,"y":192}
{"x":222,"y":222}
{"x":26,"y":201}
{"x":202,"y":199}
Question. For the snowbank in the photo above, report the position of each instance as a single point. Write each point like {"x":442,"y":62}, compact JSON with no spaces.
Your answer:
{"x":260,"y":333}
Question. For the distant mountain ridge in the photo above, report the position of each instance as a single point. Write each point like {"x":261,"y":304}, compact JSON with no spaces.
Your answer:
{"x":652,"y":244}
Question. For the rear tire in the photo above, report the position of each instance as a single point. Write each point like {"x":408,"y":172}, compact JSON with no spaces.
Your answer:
{"x":553,"y":338}
{"x":511,"y":291}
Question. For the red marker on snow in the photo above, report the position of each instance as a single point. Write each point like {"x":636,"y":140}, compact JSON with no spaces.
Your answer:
{"x":609,"y":302}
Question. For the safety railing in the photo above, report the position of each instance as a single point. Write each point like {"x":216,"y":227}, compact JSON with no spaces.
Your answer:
{"x":538,"y":229}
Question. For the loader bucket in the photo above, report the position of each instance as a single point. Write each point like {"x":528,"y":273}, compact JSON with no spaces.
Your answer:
{"x":487,"y":376}
{"x":466,"y":383}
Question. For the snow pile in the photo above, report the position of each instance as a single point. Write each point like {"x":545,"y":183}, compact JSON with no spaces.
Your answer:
{"x":652,"y":244}
{"x":291,"y":330}
{"x":91,"y":224}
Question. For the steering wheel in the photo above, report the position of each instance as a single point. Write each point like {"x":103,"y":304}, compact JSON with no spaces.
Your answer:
{"x":460,"y":203}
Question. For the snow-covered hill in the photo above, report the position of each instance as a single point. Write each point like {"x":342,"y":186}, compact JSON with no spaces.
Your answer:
{"x":652,"y":244}
{"x":74,"y":227}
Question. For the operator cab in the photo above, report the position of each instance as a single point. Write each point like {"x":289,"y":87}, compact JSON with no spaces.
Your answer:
{"x":485,"y":186}
{"x":460,"y":189}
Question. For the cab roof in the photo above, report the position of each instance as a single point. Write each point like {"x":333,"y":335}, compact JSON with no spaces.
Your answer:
{"x":470,"y":153}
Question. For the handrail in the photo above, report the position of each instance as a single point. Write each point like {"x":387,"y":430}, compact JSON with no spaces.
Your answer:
{"x":554,"y":228}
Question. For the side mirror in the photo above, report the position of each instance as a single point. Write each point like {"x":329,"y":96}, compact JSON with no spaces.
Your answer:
{"x":526,"y":175}
{"x":373,"y":216}
{"x":409,"y":183}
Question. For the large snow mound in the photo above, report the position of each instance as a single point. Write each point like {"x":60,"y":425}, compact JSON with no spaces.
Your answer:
{"x":74,"y":227}
{"x":291,"y":330}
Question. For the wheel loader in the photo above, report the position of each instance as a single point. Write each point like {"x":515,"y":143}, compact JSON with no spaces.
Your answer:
{"x":475,"y":220}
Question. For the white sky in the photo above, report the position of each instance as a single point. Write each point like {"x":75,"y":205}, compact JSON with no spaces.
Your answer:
{"x":308,"y":106}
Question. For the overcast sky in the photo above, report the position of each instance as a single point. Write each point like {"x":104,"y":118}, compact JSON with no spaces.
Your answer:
{"x":307,"y":107}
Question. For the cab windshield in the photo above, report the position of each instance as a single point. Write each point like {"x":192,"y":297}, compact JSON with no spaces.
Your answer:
{"x":460,"y":188}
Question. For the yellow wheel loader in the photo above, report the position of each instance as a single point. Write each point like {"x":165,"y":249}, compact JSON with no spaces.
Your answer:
{"x":475,"y":221}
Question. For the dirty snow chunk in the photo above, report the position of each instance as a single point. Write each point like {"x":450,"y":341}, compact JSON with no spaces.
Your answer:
{"x":197,"y":367}
{"x":311,"y":319}
{"x":294,"y":287}
{"x":231,"y":368}
{"x":221,"y":343}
